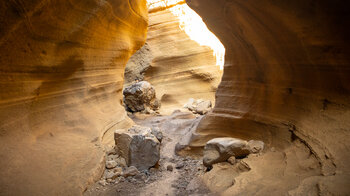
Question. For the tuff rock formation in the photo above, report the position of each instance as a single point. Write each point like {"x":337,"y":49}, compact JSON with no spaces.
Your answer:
{"x":61,"y":76}
{"x":178,"y":67}
{"x":286,"y":82}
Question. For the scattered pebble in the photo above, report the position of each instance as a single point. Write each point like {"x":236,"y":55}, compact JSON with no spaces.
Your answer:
{"x":111,"y":164}
{"x":169,"y":168}
{"x":179,"y":165}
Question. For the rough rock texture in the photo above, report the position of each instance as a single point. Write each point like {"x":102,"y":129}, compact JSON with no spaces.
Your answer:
{"x":199,"y":106}
{"x":137,"y":65}
{"x":180,"y":68}
{"x":61,"y":77}
{"x":220,"y":149}
{"x":141,"y":96}
{"x":286,"y":77}
{"x":138,"y":146}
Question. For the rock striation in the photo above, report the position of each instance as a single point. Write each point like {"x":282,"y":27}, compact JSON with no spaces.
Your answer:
{"x":178,"y":67}
{"x":61,"y":79}
{"x":286,"y":78}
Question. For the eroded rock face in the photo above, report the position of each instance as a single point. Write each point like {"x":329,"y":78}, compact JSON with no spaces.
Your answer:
{"x":178,"y":67}
{"x":138,"y":146}
{"x":61,"y":68}
{"x":141,"y":96}
{"x":286,"y":76}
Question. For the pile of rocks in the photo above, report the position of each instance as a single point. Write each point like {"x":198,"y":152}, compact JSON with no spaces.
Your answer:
{"x":229,"y":149}
{"x":198,"y":106}
{"x":137,"y":149}
{"x":141,"y":97}
{"x":117,"y":170}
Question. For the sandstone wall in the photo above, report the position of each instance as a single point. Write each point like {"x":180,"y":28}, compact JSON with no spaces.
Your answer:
{"x":61,"y":75}
{"x":178,"y":67}
{"x":287,"y":76}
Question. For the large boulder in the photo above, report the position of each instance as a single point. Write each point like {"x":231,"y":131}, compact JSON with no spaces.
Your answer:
{"x":221,"y":149}
{"x":141,"y":96}
{"x":138,"y":146}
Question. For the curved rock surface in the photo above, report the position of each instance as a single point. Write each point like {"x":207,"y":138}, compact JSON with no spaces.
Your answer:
{"x":178,"y":67}
{"x":61,"y":77}
{"x":286,"y":78}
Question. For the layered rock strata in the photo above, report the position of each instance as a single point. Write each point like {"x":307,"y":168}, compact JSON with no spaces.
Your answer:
{"x":61,"y":77}
{"x":286,"y":78}
{"x":178,"y":67}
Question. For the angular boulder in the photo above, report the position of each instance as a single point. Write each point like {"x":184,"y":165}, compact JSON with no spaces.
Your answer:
{"x":138,"y":146}
{"x":141,"y":96}
{"x":220,"y":149}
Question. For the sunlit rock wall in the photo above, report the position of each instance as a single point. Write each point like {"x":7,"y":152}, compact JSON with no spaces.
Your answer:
{"x":287,"y":76}
{"x":61,"y":75}
{"x":178,"y":67}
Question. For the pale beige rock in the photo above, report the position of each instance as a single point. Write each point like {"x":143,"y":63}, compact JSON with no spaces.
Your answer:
{"x":198,"y":106}
{"x":180,"y":68}
{"x":255,"y":146}
{"x":203,"y":107}
{"x":61,"y":68}
{"x":220,"y":149}
{"x":232,"y":160}
{"x":130,"y":171}
{"x":111,"y":164}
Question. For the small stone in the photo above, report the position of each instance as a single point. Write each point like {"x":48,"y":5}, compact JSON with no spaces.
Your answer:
{"x":273,"y":149}
{"x":112,"y":157}
{"x":121,"y":179}
{"x":179,"y":165}
{"x":121,"y":162}
{"x":232,"y":160}
{"x":153,"y":170}
{"x":111,"y":164}
{"x":130,"y":171}
{"x":169,"y":168}
{"x":157,"y":133}
{"x":141,"y":176}
{"x":102,"y":182}
{"x":110,"y":181}
{"x":118,"y":171}
{"x":255,"y":146}
{"x":111,"y":175}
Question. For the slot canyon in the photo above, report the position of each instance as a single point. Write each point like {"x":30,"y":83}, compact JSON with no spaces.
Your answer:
{"x":140,"y":97}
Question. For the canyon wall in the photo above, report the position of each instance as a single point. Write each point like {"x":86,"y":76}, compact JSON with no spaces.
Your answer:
{"x":178,"y":67}
{"x":286,"y":78}
{"x":62,"y":66}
